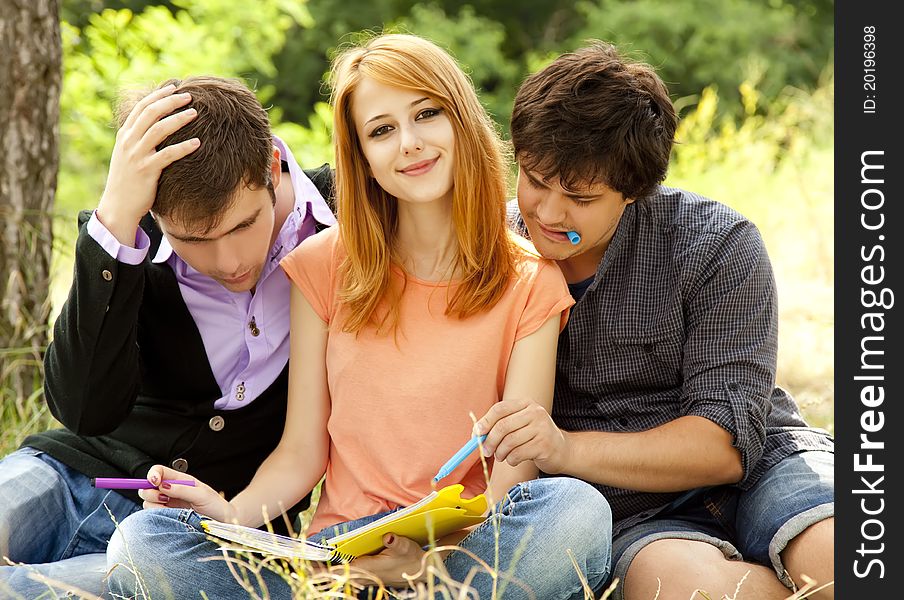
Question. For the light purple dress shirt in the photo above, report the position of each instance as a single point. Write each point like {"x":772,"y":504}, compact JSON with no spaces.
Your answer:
{"x":246,"y":336}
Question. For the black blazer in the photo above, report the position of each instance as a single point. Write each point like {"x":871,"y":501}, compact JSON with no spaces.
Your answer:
{"x":128,"y":377}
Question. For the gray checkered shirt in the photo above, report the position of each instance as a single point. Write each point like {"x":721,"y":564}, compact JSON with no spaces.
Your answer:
{"x":680,"y":320}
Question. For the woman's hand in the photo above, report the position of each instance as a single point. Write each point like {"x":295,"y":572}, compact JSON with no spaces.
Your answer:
{"x":201,"y":497}
{"x":401,"y":556}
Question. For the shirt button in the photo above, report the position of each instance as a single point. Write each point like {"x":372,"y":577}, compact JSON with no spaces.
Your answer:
{"x":648,"y":348}
{"x":216,"y":423}
{"x":255,"y":332}
{"x":107,"y":275}
{"x":734,"y":387}
{"x":240,"y":396}
{"x":180,"y":464}
{"x":240,"y":388}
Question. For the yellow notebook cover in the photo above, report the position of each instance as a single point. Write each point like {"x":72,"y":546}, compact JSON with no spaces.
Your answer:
{"x":434,"y":516}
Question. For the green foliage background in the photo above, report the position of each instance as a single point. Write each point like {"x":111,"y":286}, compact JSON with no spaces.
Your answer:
{"x":752,"y":80}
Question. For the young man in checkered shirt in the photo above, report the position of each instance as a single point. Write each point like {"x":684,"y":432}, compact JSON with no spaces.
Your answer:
{"x":665,"y":393}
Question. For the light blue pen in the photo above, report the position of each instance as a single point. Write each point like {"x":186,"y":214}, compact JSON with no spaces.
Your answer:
{"x":459,"y":456}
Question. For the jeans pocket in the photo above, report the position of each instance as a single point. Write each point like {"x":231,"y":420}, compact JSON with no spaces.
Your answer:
{"x":722,"y":505}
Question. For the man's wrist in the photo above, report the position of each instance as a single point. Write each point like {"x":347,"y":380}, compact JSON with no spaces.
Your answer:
{"x":122,"y":226}
{"x":133,"y":254}
{"x":566,"y":456}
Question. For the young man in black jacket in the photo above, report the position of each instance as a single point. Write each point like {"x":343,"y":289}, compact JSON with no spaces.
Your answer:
{"x":173,"y":343}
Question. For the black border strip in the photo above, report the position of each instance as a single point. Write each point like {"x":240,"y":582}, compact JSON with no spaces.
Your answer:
{"x":868,"y":271}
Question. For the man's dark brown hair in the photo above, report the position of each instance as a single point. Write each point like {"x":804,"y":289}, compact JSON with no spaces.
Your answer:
{"x":236,"y":150}
{"x":593,"y":116}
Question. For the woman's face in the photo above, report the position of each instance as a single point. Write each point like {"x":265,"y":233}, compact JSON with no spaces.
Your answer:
{"x":407,"y":139}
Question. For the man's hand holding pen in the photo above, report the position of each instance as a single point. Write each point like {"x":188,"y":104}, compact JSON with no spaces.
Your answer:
{"x":519,"y":430}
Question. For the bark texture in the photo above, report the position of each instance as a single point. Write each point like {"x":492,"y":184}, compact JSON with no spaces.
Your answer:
{"x":30,"y":80}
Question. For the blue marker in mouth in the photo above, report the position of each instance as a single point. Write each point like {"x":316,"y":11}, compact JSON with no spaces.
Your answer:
{"x":573,"y":237}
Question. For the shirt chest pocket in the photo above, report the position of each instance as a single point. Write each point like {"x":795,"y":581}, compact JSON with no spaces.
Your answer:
{"x":633,"y":351}
{"x":645,"y":363}
{"x":615,"y":348}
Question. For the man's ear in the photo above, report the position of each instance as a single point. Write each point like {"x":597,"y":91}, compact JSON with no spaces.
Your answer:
{"x":275,"y":168}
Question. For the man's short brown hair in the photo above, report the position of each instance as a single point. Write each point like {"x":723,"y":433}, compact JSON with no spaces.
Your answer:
{"x":236,"y":151}
{"x":593,"y":116}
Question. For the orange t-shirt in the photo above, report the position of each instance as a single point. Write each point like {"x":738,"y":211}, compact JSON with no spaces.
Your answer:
{"x":401,"y":404}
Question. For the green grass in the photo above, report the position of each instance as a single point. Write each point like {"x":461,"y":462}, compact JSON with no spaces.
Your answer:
{"x":23,"y":415}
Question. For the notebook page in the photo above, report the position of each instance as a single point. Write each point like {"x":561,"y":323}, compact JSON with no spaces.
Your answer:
{"x":270,"y":543}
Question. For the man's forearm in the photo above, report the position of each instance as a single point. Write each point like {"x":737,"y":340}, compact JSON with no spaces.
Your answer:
{"x":683,"y":454}
{"x":91,"y":368}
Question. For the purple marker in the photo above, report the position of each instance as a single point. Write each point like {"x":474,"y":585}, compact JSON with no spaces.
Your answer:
{"x":117,"y":483}
{"x":573,"y":237}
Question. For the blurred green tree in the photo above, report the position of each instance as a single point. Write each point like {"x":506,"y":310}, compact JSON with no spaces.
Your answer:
{"x":78,"y":12}
{"x":119,"y":49}
{"x":477,"y":43}
{"x":721,"y":43}
{"x":301,"y":65}
{"x":695,"y":43}
{"x":529,"y":25}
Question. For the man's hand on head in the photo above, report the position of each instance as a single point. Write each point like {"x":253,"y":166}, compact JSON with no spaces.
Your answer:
{"x":136,"y":163}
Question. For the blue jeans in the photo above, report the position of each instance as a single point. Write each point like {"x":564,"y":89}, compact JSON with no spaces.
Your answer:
{"x":537,"y":523}
{"x":753,"y":525}
{"x":53,"y":520}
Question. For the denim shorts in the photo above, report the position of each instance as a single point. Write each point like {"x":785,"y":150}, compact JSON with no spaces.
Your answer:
{"x":753,"y":525}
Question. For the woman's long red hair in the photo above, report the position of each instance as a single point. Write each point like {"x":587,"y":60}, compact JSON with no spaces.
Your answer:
{"x":368,"y":215}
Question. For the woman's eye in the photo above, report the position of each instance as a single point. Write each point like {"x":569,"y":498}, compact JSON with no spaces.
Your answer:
{"x":429,"y":112}
{"x":381,"y":130}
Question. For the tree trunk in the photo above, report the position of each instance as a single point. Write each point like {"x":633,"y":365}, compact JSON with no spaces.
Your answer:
{"x":30,"y":79}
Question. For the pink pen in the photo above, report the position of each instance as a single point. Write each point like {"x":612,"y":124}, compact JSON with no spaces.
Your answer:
{"x":118,"y":483}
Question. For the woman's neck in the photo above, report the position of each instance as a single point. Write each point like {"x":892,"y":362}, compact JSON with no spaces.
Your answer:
{"x":425,"y":243}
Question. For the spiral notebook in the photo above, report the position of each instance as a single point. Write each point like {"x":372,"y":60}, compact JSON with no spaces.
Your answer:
{"x":434,"y":516}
